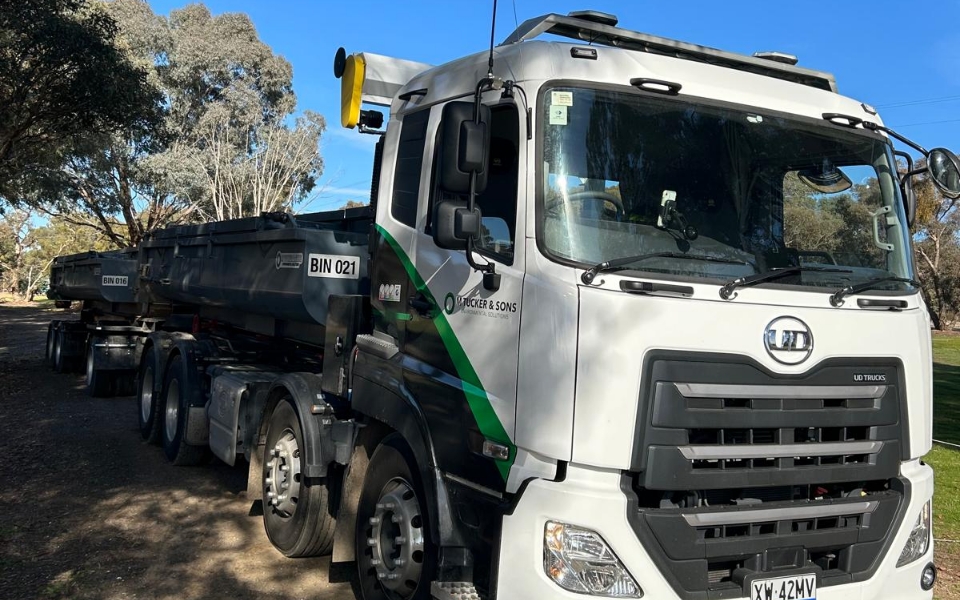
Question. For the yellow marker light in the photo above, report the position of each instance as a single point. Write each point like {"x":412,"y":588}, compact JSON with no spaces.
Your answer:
{"x":351,"y":89}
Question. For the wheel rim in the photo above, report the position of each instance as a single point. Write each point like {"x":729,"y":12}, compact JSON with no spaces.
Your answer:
{"x":57,"y":351}
{"x":283,"y":475}
{"x":90,"y":366}
{"x":172,"y":411}
{"x":51,"y":335}
{"x":395,"y":538}
{"x":146,"y":394}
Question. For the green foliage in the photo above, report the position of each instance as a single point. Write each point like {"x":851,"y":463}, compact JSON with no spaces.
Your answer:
{"x":228,"y":145}
{"x":61,"y":78}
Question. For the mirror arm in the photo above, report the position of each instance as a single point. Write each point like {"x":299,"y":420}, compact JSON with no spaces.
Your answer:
{"x":875,"y":127}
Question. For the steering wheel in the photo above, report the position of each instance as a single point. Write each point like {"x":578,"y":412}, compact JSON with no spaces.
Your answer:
{"x":582,"y":196}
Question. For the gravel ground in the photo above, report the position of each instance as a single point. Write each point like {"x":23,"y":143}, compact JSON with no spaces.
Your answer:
{"x":88,"y":511}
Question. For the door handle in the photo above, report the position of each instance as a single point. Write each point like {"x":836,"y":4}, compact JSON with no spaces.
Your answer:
{"x":422,"y":305}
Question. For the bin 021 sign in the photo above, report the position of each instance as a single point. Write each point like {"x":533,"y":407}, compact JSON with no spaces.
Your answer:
{"x":333,"y":266}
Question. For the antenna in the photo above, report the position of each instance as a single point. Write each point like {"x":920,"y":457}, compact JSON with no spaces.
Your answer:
{"x":493,"y":29}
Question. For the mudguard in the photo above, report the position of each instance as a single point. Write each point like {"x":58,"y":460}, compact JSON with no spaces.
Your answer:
{"x":327,"y":439}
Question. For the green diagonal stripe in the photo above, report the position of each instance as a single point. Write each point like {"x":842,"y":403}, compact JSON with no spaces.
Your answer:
{"x":487,"y":420}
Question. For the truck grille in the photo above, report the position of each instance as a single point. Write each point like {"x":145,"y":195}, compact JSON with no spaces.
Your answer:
{"x":739,"y":471}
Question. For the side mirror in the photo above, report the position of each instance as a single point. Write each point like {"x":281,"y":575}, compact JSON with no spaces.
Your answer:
{"x":944,"y":169}
{"x":464,"y":147}
{"x":454,"y":224}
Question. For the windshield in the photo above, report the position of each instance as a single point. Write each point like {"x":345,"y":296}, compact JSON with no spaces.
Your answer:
{"x":626,"y":174}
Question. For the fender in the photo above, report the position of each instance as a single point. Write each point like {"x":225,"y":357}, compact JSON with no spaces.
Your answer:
{"x":385,"y":399}
{"x":327,"y":439}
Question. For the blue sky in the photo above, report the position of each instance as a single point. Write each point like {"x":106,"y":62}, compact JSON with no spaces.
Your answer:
{"x":902,"y":57}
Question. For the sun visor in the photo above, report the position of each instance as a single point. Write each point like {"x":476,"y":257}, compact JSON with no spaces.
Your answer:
{"x":370,"y":78}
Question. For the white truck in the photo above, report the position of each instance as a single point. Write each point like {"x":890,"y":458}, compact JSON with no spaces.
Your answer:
{"x":627,"y":317}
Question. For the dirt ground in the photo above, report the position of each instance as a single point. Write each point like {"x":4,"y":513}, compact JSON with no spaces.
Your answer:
{"x":87,"y":511}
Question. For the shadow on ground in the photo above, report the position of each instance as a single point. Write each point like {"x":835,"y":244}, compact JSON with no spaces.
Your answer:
{"x":89,"y":511}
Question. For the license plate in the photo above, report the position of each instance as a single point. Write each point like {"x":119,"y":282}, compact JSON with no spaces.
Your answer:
{"x":794,"y":587}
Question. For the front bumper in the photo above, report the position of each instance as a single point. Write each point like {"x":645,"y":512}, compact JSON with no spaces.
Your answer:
{"x":592,"y":498}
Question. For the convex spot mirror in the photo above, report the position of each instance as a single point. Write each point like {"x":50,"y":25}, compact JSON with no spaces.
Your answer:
{"x":464,"y":147}
{"x":944,"y":169}
{"x":454,"y":224}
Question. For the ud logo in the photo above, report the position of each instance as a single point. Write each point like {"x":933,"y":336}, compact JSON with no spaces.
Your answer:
{"x":788,"y":340}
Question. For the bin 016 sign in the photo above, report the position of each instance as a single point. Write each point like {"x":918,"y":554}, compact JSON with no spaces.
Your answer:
{"x":333,"y":266}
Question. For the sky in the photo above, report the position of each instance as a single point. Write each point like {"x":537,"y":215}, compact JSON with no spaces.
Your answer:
{"x":901,"y":57}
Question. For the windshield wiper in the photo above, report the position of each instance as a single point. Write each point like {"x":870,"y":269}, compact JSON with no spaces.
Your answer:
{"x":726,"y":292}
{"x":590,"y":274}
{"x":836,"y":299}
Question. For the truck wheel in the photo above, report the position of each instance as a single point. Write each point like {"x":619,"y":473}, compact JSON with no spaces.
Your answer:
{"x":148,"y":408}
{"x":60,"y":362}
{"x":395,"y":558}
{"x":99,"y":383}
{"x":51,"y":339}
{"x":296,"y":511}
{"x":175,"y":411}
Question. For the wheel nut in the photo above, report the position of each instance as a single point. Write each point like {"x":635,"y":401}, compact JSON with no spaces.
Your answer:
{"x":273,"y":453}
{"x":380,"y":506}
{"x":396,"y":518}
{"x":389,"y":505}
{"x":374,"y":520}
{"x":399,"y":562}
{"x":393,"y":577}
{"x":375,"y":562}
{"x":284,"y":468}
{"x":269,"y":481}
{"x":271,"y":494}
{"x":381,"y":575}
{"x":399,"y":540}
{"x":371,"y":542}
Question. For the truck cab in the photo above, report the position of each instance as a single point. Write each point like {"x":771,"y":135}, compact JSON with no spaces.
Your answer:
{"x":659,"y":336}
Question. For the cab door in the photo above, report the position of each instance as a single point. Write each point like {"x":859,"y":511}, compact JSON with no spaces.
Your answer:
{"x":462,"y":340}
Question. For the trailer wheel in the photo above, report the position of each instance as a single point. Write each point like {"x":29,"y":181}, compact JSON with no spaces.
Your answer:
{"x":60,"y":362}
{"x":395,"y":557}
{"x":99,"y":383}
{"x":148,"y":405}
{"x":51,"y":340}
{"x":296,"y":513}
{"x":175,"y":418}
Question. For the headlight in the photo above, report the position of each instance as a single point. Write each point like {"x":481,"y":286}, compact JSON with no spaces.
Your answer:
{"x":579,"y":560}
{"x":919,"y":541}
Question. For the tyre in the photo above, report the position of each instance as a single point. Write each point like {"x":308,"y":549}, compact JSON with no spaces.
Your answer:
{"x":395,"y":557}
{"x":296,"y":513}
{"x":51,"y":339}
{"x":148,"y":405}
{"x":60,"y":362}
{"x":175,"y":408}
{"x":99,"y":382}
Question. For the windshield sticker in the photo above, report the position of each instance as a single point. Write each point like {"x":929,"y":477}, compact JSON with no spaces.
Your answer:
{"x":561,"y":98}
{"x":389,"y":292}
{"x":289,"y":260}
{"x":558,"y":115}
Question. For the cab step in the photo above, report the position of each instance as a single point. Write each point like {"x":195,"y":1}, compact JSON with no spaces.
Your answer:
{"x":453,"y":590}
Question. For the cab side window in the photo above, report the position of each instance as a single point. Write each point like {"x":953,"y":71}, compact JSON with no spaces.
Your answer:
{"x":498,"y":202}
{"x":406,"y":176}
